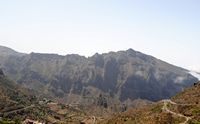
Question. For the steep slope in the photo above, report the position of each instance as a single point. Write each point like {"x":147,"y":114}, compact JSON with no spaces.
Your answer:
{"x":13,"y":99}
{"x":5,"y":51}
{"x":10,"y":91}
{"x":118,"y":76}
{"x":184,"y":108}
{"x":18,"y":104}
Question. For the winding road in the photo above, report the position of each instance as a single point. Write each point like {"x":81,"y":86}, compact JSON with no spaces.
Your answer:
{"x":164,"y":108}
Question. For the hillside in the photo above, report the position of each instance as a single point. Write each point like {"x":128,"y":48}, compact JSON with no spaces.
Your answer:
{"x":184,"y":108}
{"x":13,"y":99}
{"x":118,"y":76}
{"x":18,"y":105}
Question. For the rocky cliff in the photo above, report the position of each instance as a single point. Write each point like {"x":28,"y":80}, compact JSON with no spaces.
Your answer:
{"x":124,"y":75}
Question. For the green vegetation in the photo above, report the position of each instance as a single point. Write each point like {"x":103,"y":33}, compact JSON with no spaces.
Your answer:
{"x":194,"y":122}
{"x":6,"y":121}
{"x":196,"y":111}
{"x":157,"y":109}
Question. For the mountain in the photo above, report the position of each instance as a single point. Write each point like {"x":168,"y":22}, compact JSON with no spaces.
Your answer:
{"x":183,"y":108}
{"x":115,"y":76}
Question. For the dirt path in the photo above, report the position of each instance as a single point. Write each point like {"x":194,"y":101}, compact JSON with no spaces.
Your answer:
{"x":166,"y":102}
{"x":94,"y":119}
{"x":17,"y":110}
{"x":90,"y":120}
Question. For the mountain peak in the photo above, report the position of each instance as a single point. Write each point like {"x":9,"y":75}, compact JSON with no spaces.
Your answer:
{"x":130,"y":50}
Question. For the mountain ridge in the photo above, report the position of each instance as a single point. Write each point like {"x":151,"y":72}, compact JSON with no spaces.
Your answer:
{"x":114,"y":74}
{"x":129,"y":50}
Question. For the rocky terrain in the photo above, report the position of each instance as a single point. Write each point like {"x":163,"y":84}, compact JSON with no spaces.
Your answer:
{"x":183,"y":108}
{"x":20,"y":105}
{"x":117,"y":76}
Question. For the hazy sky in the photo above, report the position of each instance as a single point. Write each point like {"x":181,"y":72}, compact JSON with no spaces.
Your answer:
{"x":166,"y":29}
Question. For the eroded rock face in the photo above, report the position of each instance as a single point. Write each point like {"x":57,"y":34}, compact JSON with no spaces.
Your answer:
{"x":121,"y":75}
